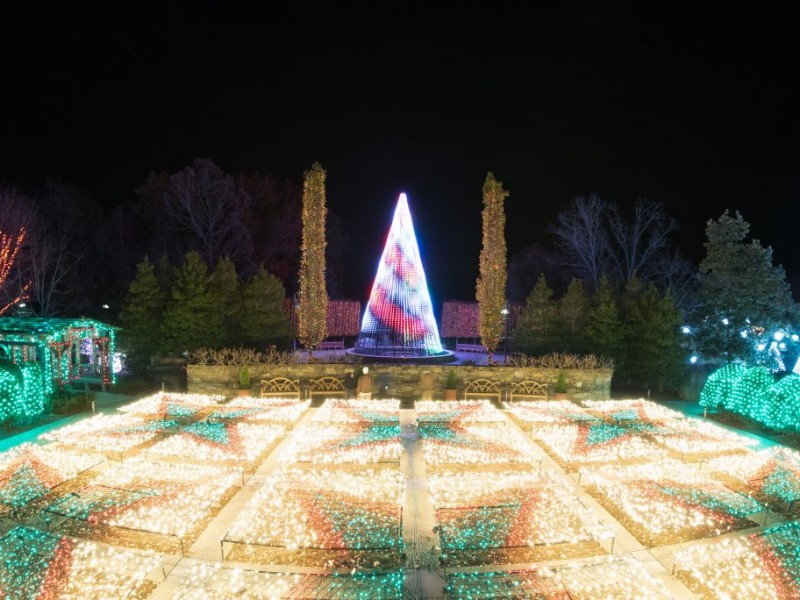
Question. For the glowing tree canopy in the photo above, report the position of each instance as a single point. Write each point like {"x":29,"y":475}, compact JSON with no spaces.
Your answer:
{"x":399,"y":317}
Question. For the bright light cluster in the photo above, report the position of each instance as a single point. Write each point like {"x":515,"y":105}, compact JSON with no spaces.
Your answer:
{"x":710,"y":430}
{"x":541,"y":509}
{"x":774,"y":472}
{"x":586,"y":443}
{"x":608,"y":578}
{"x":324,"y":509}
{"x":35,"y":564}
{"x":754,"y":465}
{"x":162,"y":498}
{"x":692,"y":437}
{"x":206,"y":582}
{"x":344,"y":443}
{"x":761,"y":566}
{"x":358,"y":411}
{"x":273,"y":410}
{"x":171,"y":404}
{"x":219,"y":441}
{"x":115,"y":433}
{"x":21,"y":391}
{"x":671,"y":498}
{"x":29,"y":471}
{"x":623,"y":410}
{"x":474,"y":444}
{"x":753,"y":392}
{"x":458,"y":411}
{"x":537,"y":412}
{"x":399,"y":315}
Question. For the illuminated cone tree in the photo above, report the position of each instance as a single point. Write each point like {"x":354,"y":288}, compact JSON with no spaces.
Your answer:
{"x":399,"y":317}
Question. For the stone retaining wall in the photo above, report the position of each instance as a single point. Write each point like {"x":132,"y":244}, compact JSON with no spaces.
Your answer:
{"x":402,"y":381}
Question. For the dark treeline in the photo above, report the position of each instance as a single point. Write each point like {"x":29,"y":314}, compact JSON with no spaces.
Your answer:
{"x":610,"y":281}
{"x":80,"y":257}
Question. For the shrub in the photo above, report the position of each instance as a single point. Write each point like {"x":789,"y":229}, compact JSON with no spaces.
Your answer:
{"x":241,"y":356}
{"x":452,"y":380}
{"x":561,"y":360}
{"x":561,"y":384}
{"x":69,"y":403}
{"x":244,"y":378}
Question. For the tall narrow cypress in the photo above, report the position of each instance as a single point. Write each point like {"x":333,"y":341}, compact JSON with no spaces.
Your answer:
{"x":491,"y":285}
{"x":312,"y":310}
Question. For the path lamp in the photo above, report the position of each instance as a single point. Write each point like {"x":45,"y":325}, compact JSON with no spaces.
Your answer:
{"x":504,"y":312}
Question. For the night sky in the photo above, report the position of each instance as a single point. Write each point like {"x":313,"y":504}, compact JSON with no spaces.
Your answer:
{"x":694,"y":106}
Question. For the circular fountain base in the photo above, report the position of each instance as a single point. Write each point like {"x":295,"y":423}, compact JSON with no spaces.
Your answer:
{"x":396,"y":355}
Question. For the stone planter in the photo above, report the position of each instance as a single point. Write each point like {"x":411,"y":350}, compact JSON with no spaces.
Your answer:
{"x":560,"y":396}
{"x":450,"y":394}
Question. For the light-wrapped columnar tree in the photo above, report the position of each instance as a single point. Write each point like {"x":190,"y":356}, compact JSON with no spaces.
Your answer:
{"x":491,"y":286}
{"x":312,"y":309}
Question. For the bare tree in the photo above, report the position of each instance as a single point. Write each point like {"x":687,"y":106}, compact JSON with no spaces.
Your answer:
{"x":205,"y":210}
{"x":119,"y":238}
{"x":526,"y":266}
{"x":674,"y":273}
{"x":277,"y":208}
{"x":635,"y":244}
{"x":53,"y":262}
{"x":593,"y":237}
{"x":61,"y":224}
{"x":582,"y":239}
{"x":335,"y":250}
{"x":16,"y":216}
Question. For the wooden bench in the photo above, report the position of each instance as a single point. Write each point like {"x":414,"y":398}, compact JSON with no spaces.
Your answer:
{"x":482,"y":388}
{"x":470,"y":348}
{"x":528,"y":390}
{"x":281,"y":387}
{"x":331,"y":345}
{"x":327,"y":386}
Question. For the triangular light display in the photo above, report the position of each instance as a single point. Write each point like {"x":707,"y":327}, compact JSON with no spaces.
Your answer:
{"x":399,"y":317}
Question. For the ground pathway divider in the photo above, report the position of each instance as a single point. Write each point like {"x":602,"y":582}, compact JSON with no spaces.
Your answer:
{"x":424,"y":578}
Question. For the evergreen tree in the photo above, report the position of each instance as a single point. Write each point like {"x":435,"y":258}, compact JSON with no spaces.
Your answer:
{"x":165,"y":274}
{"x":741,"y":291}
{"x":605,"y":332}
{"x":312,"y":309}
{"x":491,"y":284}
{"x":262,"y":320}
{"x":223,"y":285}
{"x":573,"y":311}
{"x":141,"y":317}
{"x":192,"y":318}
{"x":653,"y":345}
{"x":535,"y":326}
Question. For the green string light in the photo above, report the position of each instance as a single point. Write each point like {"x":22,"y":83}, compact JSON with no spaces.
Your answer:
{"x":754,"y":393}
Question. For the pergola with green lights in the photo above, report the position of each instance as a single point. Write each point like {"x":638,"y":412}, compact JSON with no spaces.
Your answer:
{"x":67,"y":350}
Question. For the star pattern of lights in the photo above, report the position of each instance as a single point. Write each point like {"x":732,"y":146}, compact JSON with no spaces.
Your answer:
{"x":536,"y":499}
